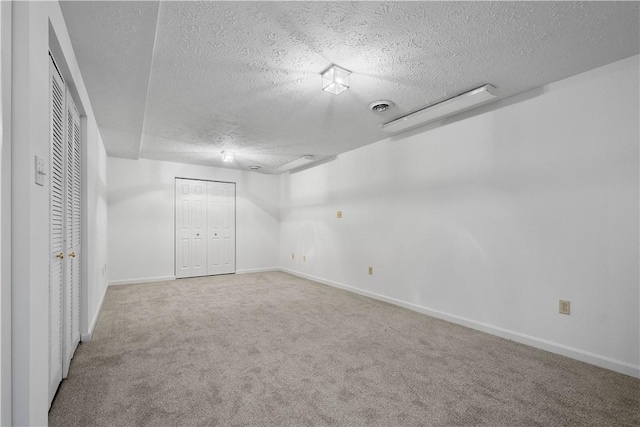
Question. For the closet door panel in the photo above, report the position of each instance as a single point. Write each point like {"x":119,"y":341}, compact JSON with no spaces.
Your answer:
{"x":221,"y":227}
{"x":73,"y":226}
{"x":183,"y":229}
{"x":190,"y":228}
{"x":56,"y":228}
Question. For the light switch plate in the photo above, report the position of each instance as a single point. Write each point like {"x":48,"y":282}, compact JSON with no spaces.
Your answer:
{"x":339,"y":214}
{"x":40,"y":173}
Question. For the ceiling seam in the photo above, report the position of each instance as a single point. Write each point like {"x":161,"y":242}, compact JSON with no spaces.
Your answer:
{"x":146,"y":99}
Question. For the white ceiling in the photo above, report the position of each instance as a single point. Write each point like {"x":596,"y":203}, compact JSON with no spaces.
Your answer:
{"x":183,"y":81}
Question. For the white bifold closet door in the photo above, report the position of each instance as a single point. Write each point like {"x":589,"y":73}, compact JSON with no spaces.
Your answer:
{"x":205,"y":228}
{"x":72,"y":233}
{"x":64,"y":230}
{"x":56,"y":228}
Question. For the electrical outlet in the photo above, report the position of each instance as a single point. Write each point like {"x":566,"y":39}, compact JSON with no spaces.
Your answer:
{"x":293,"y":256}
{"x":304,"y":258}
{"x":564,"y":307}
{"x":339,"y":214}
{"x":370,"y":271}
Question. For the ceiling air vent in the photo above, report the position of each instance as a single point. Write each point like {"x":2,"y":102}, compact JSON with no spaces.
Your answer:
{"x":380,"y":106}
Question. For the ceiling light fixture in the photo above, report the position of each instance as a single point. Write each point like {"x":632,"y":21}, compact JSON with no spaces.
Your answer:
{"x":297,"y":163}
{"x":335,"y":80}
{"x":380,"y":106}
{"x":254,"y":167}
{"x":227,"y":156}
{"x":442,"y":109}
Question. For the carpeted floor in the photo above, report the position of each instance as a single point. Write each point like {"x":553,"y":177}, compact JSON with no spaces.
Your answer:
{"x":276,"y":350}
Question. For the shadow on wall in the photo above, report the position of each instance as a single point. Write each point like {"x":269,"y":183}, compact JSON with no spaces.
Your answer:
{"x":501,"y":103}
{"x":119,"y":195}
{"x":307,"y":245}
{"x":249,"y":189}
{"x":421,"y":164}
{"x":442,"y":258}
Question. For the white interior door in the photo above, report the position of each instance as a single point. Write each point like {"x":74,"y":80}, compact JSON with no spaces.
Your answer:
{"x":191,"y":228}
{"x":56,"y":229}
{"x":221,"y":218}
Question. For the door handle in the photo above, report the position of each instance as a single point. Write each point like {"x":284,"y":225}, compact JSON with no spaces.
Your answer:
{"x":60,"y":255}
{"x":72,"y":254}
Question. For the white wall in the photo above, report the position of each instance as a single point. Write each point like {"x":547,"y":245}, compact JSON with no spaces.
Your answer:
{"x":141,"y":217}
{"x":5,"y":213}
{"x":490,"y":220}
{"x":32,"y":22}
{"x":94,"y":274}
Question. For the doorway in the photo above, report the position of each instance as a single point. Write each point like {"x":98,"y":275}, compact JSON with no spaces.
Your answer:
{"x":205,"y":228}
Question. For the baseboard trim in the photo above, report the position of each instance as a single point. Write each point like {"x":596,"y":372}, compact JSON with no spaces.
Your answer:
{"x":257,"y":270}
{"x":87,"y":337}
{"x":142,"y":280}
{"x":552,"y":347}
{"x":169,"y":278}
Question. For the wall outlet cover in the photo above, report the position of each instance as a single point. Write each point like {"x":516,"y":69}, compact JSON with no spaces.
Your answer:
{"x":564,"y":307}
{"x":339,"y":214}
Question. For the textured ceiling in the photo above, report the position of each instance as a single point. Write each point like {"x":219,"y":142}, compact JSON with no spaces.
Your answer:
{"x":183,"y":81}
{"x":114,"y":45}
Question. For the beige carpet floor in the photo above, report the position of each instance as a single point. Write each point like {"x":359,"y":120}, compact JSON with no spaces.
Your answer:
{"x":272,"y":349}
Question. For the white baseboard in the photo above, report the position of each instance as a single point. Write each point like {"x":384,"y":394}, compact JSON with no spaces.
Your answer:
{"x":87,"y":337}
{"x":142,"y":280}
{"x":168,"y":278}
{"x":257,"y":270}
{"x":563,"y":350}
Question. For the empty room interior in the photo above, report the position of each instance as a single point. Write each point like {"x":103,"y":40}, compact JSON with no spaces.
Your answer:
{"x":319,"y":213}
